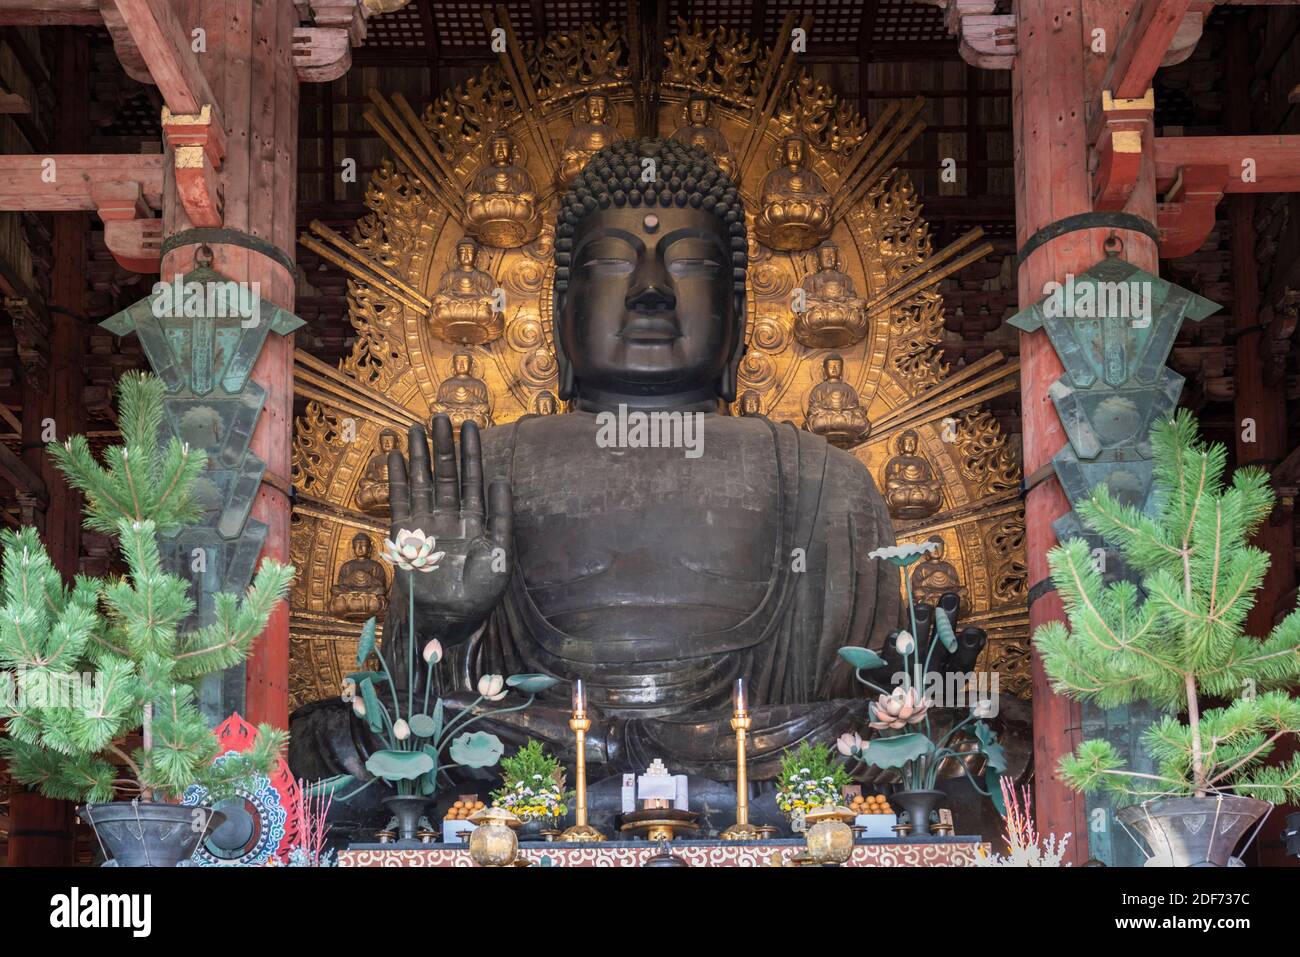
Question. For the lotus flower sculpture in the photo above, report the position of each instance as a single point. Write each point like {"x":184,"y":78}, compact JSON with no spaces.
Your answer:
{"x":898,"y":709}
{"x":413,"y":551}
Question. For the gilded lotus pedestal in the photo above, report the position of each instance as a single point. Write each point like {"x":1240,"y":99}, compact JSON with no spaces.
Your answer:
{"x":831,"y":324}
{"x":502,"y":220}
{"x":790,"y":226}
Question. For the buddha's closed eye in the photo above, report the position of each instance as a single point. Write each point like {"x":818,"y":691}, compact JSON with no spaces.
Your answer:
{"x":608,"y":265}
{"x":687,"y":267}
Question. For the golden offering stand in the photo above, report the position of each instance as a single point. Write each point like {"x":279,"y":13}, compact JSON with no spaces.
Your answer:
{"x":580,"y":724}
{"x":660,"y":824}
{"x":742,"y":830}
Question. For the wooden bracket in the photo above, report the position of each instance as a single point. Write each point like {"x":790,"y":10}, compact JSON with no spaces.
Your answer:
{"x":346,"y":15}
{"x":131,"y":232}
{"x":321,"y":54}
{"x":984,"y":39}
{"x":199,"y":146}
{"x":124,"y":44}
{"x":323,"y":51}
{"x":1186,"y":216}
{"x":1119,"y":148}
{"x":136,"y":244}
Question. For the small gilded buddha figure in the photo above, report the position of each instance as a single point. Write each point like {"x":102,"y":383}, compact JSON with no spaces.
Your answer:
{"x":794,"y":207}
{"x":751,"y":403}
{"x":701,"y":130}
{"x":834,"y":411}
{"x":464,"y":307}
{"x":911,"y":490}
{"x":361,"y":589}
{"x":501,"y":205}
{"x":464,"y":397}
{"x":545,"y":404}
{"x":593,"y":132}
{"x":372,"y":490}
{"x":934,"y":577}
{"x":833,"y":316}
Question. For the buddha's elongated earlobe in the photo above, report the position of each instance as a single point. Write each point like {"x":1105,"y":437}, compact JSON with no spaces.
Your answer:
{"x":728,"y":382}
{"x":566,"y":384}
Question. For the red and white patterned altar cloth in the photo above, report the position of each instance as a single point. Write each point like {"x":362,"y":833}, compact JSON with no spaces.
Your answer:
{"x":960,"y":852}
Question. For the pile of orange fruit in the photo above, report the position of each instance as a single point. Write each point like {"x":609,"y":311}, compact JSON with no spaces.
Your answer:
{"x":870,"y":804}
{"x":463,"y":809}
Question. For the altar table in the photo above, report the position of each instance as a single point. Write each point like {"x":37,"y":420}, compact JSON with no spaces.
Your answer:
{"x":957,"y":851}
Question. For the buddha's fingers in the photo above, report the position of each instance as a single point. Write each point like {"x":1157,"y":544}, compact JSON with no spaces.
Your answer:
{"x":446,"y":482}
{"x":421,"y":477}
{"x":501,"y":515}
{"x":399,"y":491}
{"x":471,"y":479}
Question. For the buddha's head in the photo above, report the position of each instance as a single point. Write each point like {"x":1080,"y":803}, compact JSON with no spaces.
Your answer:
{"x":650,"y":279}
{"x":387,"y":441}
{"x":794,"y":150}
{"x":597,"y":108}
{"x":937,"y":552}
{"x":466,"y":253}
{"x":907,"y":442}
{"x":545,"y":404}
{"x":462,"y":363}
{"x":828,"y":255}
{"x":699,"y":111}
{"x":751,"y":403}
{"x":833,"y":367}
{"x":361,"y":545}
{"x":502,"y":149}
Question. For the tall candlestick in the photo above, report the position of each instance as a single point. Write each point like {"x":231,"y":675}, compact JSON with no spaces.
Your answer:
{"x":742,"y":830}
{"x":580,"y":724}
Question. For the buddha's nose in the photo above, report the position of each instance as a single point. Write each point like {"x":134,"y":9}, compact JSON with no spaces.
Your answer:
{"x":651,"y":296}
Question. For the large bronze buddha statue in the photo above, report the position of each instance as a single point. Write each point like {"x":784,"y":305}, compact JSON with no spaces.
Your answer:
{"x":655,"y":576}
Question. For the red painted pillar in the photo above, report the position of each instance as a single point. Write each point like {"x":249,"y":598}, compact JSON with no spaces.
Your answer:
{"x":249,"y":66}
{"x":1055,"y":78}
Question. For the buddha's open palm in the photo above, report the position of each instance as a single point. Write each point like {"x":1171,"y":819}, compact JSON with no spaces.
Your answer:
{"x":430,"y":495}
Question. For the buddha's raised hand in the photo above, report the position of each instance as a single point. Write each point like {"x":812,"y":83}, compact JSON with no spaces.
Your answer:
{"x":431,"y":496}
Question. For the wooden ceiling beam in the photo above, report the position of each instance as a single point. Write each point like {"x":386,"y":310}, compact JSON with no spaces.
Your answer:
{"x":164,"y":44}
{"x":1274,"y":166}
{"x":50,"y":13}
{"x":67,"y":184}
{"x":1141,"y":46}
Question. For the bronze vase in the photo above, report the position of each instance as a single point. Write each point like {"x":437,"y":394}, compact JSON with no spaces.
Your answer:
{"x":917,"y":805}
{"x":408,"y":809}
{"x":1194,"y":831}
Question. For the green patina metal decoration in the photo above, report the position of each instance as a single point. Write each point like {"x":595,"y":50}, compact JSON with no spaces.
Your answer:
{"x":202,"y":334}
{"x":1112,"y":327}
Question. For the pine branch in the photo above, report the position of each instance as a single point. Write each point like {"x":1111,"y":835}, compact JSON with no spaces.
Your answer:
{"x":1186,"y":638}
{"x":226,"y":640}
{"x":123,"y":630}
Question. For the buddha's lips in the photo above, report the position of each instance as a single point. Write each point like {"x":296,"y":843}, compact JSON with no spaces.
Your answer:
{"x":650,"y":329}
